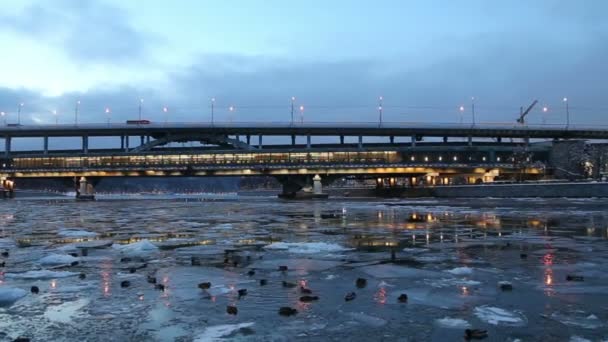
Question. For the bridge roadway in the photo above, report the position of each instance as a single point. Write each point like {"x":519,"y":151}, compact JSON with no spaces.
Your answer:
{"x":483,"y":130}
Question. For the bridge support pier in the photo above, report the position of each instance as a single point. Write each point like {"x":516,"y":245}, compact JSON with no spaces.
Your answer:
{"x":360,"y":142}
{"x":293,"y":140}
{"x":85,"y":144}
{"x":341,"y":140}
{"x":392,"y":139}
{"x":302,"y":187}
{"x":413,"y":141}
{"x":85,"y":190}
{"x":308,"y":141}
{"x":7,"y":146}
{"x":46,"y":145}
{"x":260,"y":141}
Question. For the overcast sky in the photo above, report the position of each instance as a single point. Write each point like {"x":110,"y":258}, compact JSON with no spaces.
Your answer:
{"x":426,"y":58}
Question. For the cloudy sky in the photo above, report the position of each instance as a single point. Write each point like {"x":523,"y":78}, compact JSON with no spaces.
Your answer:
{"x":426,"y":58}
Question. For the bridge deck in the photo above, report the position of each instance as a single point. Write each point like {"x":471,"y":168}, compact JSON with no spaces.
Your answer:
{"x":315,"y":129}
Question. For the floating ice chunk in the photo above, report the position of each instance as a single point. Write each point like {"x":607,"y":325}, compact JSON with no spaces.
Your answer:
{"x":385,"y":284}
{"x":76,"y":233}
{"x":394,"y":271}
{"x":446,"y":282}
{"x":367,"y":319}
{"x":142,"y":247}
{"x":306,"y":247}
{"x":57,"y":259}
{"x":578,"y":339}
{"x":578,"y":319}
{"x":41,"y":274}
{"x":216,"y":332}
{"x":416,"y":250}
{"x":9,"y":295}
{"x":330,"y":277}
{"x":452,"y":323}
{"x":7,"y":243}
{"x":498,"y":316}
{"x":461,"y":271}
{"x":66,"y":312}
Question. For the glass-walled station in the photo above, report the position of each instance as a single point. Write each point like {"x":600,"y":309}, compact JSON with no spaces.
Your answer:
{"x":248,"y":158}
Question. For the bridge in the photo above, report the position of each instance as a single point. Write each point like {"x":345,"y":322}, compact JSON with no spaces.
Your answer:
{"x":427,"y":153}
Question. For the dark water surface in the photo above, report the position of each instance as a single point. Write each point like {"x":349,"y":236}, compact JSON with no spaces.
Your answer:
{"x":450,"y":256}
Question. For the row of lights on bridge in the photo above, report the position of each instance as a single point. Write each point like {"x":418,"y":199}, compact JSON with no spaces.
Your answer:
{"x":454,"y":158}
{"x":232,"y":108}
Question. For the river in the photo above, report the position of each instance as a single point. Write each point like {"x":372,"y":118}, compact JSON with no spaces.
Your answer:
{"x":94,"y":264}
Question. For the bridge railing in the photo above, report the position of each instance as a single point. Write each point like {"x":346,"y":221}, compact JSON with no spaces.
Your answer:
{"x":308,"y":124}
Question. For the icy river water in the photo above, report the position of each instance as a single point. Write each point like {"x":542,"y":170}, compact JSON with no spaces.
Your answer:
{"x":167,"y":269}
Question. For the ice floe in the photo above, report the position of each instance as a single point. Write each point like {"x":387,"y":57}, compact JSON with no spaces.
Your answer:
{"x":218,"y":332}
{"x":452,"y":323}
{"x":41,"y":274}
{"x":461,"y":271}
{"x":66,"y":312}
{"x":139,"y":248}
{"x":498,"y":316}
{"x":306,"y":247}
{"x":76,"y":233}
{"x":9,"y":295}
{"x":371,"y":321}
{"x":578,"y":319}
{"x":57,"y":259}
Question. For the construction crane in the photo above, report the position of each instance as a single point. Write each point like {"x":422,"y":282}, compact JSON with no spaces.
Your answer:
{"x":522,"y":113}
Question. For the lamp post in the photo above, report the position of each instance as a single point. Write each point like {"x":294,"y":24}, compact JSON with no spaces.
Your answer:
{"x":141,"y":102}
{"x":231,"y":110}
{"x":473,"y":109}
{"x":380,"y":110}
{"x":166,"y":111}
{"x":56,"y":117}
{"x":76,"y":112}
{"x":19,"y":113}
{"x":545,"y":110}
{"x":302,"y":114}
{"x":461,"y":110}
{"x":565,"y":99}
{"x":108,"y":112}
{"x":3,"y":114}
{"x":212,"y":107}
{"x":293,"y":99}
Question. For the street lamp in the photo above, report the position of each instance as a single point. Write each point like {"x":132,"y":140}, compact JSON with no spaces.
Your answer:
{"x":166,"y":111}
{"x":76,"y":112}
{"x":108,"y":111}
{"x":380,"y":110}
{"x":473,"y":109}
{"x":141,"y":102}
{"x":461,"y":110}
{"x":565,"y":99}
{"x":3,"y":114}
{"x":231,"y":109}
{"x":301,"y":114}
{"x":293,"y":99}
{"x":19,"y":113}
{"x":56,"y":117}
{"x":212,"y":106}
{"x":545,"y":110}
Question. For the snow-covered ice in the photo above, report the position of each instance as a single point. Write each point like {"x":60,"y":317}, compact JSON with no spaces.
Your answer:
{"x":498,"y":316}
{"x":218,"y":332}
{"x":9,"y":295}
{"x":57,"y":259}
{"x":306,"y":247}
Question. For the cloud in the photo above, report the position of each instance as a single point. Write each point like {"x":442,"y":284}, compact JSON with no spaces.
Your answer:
{"x":89,"y":31}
